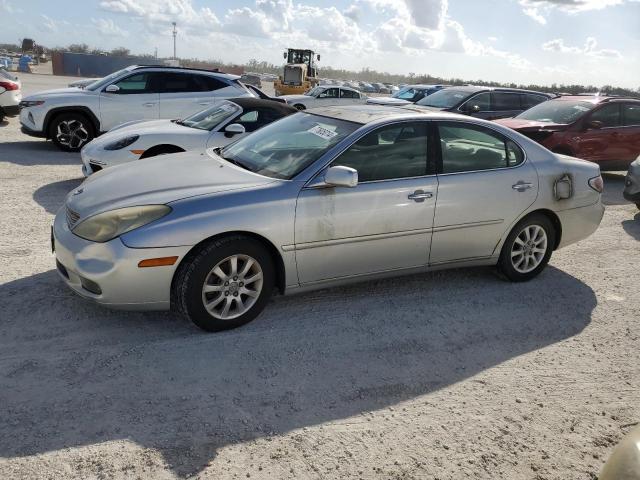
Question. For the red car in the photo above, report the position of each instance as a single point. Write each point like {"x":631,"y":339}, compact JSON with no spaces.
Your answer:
{"x":604,"y":130}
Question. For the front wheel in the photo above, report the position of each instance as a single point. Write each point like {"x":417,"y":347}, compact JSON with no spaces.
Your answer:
{"x":225,"y":285}
{"x":299,"y":106}
{"x":527,"y":249}
{"x":71,"y":131}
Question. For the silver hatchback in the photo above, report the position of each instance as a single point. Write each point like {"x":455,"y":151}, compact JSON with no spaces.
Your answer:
{"x":317,"y":199}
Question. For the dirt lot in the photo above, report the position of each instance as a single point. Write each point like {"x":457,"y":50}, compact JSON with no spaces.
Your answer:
{"x":450,"y":375}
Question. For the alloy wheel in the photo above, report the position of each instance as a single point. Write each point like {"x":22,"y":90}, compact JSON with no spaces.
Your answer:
{"x":72,"y":134}
{"x":232,"y":287}
{"x":529,"y":248}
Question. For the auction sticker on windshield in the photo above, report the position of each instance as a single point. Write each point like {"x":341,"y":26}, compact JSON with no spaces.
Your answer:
{"x":322,"y":132}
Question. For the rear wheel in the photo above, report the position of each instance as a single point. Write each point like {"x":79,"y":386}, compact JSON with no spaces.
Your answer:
{"x":225,"y":285}
{"x":528,"y":248}
{"x":71,"y":131}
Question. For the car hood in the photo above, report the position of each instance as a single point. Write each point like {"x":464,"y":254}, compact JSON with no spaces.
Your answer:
{"x":60,"y":91}
{"x":523,"y":124}
{"x":290,"y":98}
{"x":159,"y":180}
{"x":155,"y":127}
{"x":387,"y":101}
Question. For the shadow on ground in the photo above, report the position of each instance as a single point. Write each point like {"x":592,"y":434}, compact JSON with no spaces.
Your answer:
{"x":51,"y":196}
{"x":37,"y":152}
{"x":74,"y":374}
{"x":632,"y":227}
{"x":613,"y":187}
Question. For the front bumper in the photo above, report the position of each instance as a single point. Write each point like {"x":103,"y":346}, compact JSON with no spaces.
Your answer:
{"x":631,"y":190}
{"x":11,"y":110}
{"x":580,"y":223}
{"x":108,"y":273}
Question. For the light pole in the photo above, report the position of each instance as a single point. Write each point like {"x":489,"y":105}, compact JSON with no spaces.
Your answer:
{"x":174,"y":39}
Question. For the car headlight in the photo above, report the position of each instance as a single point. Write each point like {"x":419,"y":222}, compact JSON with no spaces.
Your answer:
{"x":109,"y":225}
{"x":30,"y":103}
{"x":122,"y":143}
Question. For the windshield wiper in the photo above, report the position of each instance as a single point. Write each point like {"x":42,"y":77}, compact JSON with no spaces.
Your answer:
{"x":218,"y":151}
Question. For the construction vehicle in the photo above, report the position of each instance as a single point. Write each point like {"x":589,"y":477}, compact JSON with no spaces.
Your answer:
{"x":300,"y":72}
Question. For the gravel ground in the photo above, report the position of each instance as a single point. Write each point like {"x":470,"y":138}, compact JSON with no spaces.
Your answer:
{"x":449,"y":375}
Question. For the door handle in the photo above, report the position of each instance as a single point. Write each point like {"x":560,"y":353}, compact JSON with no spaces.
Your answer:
{"x":420,"y":196}
{"x":521,"y":186}
{"x":150,"y":104}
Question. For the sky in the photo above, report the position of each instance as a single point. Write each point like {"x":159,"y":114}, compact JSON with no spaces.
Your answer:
{"x":523,"y":41}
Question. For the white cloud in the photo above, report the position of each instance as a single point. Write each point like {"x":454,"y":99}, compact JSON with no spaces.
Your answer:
{"x":51,"y":25}
{"x":108,"y":27}
{"x":590,"y":48}
{"x":538,"y":10}
{"x":5,"y":6}
{"x":160,"y":13}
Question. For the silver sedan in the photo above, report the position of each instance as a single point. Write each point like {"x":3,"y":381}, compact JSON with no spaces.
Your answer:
{"x":321,"y":198}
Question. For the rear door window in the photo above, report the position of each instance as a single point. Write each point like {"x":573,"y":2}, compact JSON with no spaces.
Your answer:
{"x":609,"y":116}
{"x":502,"y":101}
{"x":467,"y":148}
{"x":631,"y":114}
{"x":531,"y":100}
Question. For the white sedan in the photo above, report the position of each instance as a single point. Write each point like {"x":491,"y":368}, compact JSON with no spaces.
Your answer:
{"x":324,"y":96}
{"x":211,"y":128}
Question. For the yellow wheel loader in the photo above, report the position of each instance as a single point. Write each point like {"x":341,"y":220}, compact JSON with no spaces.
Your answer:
{"x":300,"y":73}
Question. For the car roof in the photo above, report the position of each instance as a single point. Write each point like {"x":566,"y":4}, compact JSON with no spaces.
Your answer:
{"x":369,"y":113}
{"x":594,"y":98}
{"x":217,"y":73}
{"x":252,"y":102}
{"x":477,"y":88}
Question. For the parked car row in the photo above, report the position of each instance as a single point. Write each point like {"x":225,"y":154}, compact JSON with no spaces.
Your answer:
{"x":74,"y":116}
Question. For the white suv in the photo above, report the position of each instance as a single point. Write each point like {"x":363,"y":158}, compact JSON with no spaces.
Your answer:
{"x":71,"y":117}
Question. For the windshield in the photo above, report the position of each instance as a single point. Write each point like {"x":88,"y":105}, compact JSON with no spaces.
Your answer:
{"x":315,"y":91}
{"x":209,"y":118}
{"x":557,"y":111}
{"x":286,"y":147}
{"x":406,"y":93}
{"x":445,"y":98}
{"x":101,"y":82}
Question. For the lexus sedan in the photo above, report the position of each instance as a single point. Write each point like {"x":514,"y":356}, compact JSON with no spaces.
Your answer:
{"x":214,"y":127}
{"x":317,"y":199}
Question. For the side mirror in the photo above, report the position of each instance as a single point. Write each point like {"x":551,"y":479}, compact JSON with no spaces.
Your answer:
{"x":475,"y":109}
{"x":112,"y":89}
{"x":234,"y":129}
{"x":594,"y":125}
{"x":341,"y":177}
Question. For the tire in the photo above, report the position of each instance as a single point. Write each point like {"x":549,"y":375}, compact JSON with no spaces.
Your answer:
{"x":299,"y":106}
{"x":187,"y":292}
{"x":524,"y":267}
{"x":71,"y":131}
{"x":638,"y":205}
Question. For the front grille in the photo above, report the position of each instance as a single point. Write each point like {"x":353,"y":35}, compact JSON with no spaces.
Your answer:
{"x":95,"y":168}
{"x":72,"y":217}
